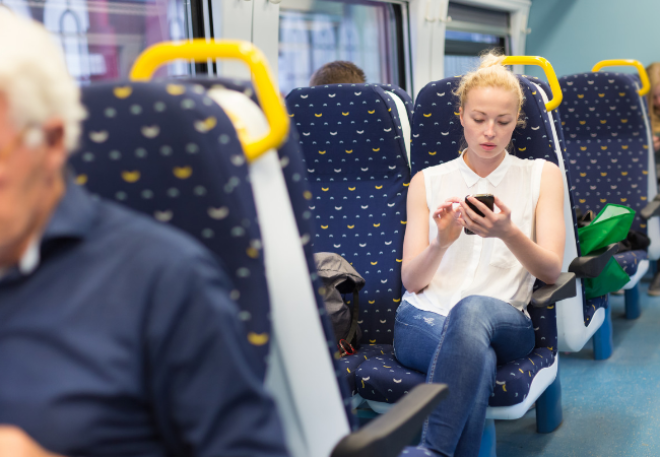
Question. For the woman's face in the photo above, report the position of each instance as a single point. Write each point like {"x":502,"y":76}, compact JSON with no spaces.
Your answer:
{"x":488,"y":119}
{"x":656,"y":96}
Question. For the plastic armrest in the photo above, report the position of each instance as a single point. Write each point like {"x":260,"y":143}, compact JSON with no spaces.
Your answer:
{"x":651,"y":210}
{"x":590,"y":266}
{"x":389,"y":434}
{"x":552,"y":293}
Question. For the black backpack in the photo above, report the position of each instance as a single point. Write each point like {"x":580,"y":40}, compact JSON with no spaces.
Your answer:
{"x":340,"y":278}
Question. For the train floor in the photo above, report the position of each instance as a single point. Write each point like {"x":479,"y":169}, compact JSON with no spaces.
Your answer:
{"x":611,"y":407}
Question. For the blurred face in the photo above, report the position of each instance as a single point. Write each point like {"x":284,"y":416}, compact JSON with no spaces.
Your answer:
{"x":656,"y":96}
{"x":489,"y":118}
{"x":31,"y":184}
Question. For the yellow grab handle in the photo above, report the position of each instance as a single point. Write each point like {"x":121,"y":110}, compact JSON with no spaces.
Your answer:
{"x":646,"y":84}
{"x":201,"y":50}
{"x":550,"y":74}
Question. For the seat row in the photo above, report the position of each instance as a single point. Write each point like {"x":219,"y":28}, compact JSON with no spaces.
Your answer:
{"x":339,"y":184}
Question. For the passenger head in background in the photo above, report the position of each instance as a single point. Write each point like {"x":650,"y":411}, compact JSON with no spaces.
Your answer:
{"x":338,"y":72}
{"x":653,"y":98}
{"x":40,"y":115}
{"x":490,"y":106}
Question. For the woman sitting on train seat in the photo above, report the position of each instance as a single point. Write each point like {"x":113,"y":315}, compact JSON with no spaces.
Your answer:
{"x":338,"y":72}
{"x":464,"y":311}
{"x":117,"y":333}
{"x":653,"y":99}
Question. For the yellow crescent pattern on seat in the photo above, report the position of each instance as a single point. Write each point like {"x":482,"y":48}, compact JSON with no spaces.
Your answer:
{"x":182,"y":172}
{"x":258,"y":339}
{"x":130,"y":176}
{"x":122,"y":91}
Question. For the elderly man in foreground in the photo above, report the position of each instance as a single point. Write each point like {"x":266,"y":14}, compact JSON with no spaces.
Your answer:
{"x":117,"y":334}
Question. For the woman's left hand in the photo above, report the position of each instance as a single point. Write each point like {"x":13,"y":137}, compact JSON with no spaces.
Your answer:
{"x":492,"y":225}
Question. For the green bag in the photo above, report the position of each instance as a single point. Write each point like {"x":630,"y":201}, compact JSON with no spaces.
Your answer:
{"x":610,"y":226}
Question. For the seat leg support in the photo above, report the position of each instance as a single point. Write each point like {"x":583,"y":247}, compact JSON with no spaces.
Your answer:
{"x":633,"y":308}
{"x":603,"y":344}
{"x":488,"y":440}
{"x":548,"y":408}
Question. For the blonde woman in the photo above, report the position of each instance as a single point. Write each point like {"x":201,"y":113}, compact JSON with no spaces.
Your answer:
{"x":465,"y":309}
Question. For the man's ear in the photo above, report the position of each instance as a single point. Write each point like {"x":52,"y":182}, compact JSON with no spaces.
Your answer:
{"x":53,"y":143}
{"x":460,"y":115}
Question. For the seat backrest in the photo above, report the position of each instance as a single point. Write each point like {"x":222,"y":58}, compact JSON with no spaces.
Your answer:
{"x":358,"y":172}
{"x":402,"y":94}
{"x":606,"y":142}
{"x":293,"y":169}
{"x":154,"y":147}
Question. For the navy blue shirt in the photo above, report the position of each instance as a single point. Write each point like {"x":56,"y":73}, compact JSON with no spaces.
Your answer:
{"x":123,"y":342}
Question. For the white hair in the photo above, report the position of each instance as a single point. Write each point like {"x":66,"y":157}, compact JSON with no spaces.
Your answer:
{"x":35,"y":80}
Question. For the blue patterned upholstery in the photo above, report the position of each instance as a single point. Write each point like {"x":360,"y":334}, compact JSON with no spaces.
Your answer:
{"x":293,"y":169}
{"x":629,"y":260}
{"x":349,"y":365}
{"x":606,"y":142}
{"x":357,"y":169}
{"x":153,"y":147}
{"x":591,"y":305}
{"x":382,"y":378}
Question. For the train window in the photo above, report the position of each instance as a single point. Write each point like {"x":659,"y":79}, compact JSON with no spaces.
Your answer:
{"x":470,"y":32}
{"x":102,"y":38}
{"x":371,"y":34}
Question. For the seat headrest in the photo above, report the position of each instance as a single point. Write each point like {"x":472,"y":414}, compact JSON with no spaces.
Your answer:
{"x":336,"y":120}
{"x":602,"y":106}
{"x":437,"y":134}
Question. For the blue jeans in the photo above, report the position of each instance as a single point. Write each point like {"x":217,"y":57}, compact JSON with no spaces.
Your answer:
{"x":461,"y":350}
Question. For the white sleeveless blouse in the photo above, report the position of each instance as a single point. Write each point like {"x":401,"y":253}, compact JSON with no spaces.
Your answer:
{"x":474,"y":265}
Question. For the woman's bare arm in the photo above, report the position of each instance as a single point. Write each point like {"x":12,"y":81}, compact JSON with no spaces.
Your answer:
{"x":421,"y":258}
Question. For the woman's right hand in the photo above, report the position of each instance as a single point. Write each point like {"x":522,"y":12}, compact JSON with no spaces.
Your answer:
{"x":447,"y":221}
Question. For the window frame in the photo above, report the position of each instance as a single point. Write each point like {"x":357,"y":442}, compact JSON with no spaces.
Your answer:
{"x":516,"y":34}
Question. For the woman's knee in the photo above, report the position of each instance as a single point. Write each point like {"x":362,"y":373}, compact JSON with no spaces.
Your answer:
{"x":472,"y":310}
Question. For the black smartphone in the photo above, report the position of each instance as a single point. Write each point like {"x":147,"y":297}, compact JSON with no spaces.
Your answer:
{"x":486,"y":199}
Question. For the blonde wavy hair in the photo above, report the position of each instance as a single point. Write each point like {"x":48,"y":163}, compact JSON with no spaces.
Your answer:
{"x":653,"y":71}
{"x":491,"y":73}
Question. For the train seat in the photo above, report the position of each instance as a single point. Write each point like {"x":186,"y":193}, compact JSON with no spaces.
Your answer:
{"x":293,"y":171}
{"x":607,"y":144}
{"x":578,"y":319}
{"x":589,"y":306}
{"x":437,"y":137}
{"x":151,"y":147}
{"x":356,"y":160}
{"x":308,"y":429}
